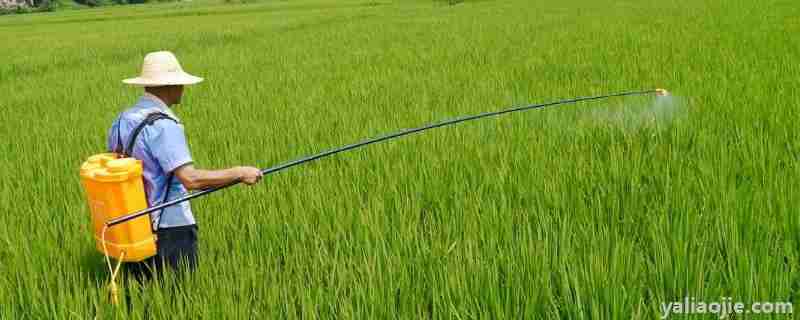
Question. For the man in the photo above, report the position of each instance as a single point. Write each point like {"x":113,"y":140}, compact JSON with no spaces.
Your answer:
{"x":168,"y":168}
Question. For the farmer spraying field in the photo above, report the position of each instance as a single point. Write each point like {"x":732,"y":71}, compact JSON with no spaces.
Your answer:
{"x":149,"y":158}
{"x":151,"y":132}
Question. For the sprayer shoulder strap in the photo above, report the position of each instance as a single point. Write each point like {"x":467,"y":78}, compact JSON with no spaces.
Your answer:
{"x":151,"y":118}
{"x":128,"y":150}
{"x":166,"y":197}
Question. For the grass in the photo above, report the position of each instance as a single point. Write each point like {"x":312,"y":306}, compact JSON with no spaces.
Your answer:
{"x":582,"y":212}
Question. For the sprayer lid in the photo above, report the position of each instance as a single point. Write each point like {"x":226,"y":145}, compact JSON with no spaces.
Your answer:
{"x":107,"y":167}
{"x":102,"y":158}
{"x":121,"y":165}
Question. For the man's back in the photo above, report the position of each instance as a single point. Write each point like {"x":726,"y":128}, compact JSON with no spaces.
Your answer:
{"x":162,"y":148}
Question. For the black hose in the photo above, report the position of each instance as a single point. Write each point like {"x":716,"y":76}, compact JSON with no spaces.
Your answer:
{"x":398,"y":134}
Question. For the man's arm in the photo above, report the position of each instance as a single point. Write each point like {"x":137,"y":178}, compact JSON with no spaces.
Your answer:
{"x":167,"y":143}
{"x":195,"y":179}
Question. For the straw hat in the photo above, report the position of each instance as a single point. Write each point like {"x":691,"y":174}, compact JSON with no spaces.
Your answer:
{"x":162,"y":69}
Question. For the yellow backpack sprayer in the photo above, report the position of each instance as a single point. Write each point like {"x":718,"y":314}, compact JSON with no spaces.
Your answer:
{"x":114,"y":186}
{"x":115,"y":192}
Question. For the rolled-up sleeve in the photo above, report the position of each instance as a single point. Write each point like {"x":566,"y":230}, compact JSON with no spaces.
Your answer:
{"x":168,"y":145}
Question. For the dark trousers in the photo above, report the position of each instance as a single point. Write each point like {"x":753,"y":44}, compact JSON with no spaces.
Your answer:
{"x":176,"y":249}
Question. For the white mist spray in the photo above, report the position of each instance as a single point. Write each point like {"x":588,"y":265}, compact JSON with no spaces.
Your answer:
{"x":652,"y":113}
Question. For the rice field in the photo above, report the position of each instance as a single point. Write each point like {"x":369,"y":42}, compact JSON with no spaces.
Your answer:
{"x":599,"y":210}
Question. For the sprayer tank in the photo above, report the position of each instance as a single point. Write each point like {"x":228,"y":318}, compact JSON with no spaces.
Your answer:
{"x":113,"y":188}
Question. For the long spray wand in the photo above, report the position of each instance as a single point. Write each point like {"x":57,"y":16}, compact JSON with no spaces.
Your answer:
{"x":271,"y":170}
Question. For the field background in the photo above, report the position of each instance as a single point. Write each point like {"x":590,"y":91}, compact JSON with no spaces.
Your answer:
{"x":590,"y":211}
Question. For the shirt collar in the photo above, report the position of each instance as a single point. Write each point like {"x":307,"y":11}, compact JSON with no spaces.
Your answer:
{"x":160,"y":103}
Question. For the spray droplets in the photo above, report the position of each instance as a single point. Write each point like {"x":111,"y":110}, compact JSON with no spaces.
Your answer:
{"x":637,"y":113}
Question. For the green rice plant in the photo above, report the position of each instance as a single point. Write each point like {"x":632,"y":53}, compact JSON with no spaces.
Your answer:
{"x":601,"y":210}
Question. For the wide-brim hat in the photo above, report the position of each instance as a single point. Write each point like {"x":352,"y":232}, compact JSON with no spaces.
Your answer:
{"x":162,"y":69}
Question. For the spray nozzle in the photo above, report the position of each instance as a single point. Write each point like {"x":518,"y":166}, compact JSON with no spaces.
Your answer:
{"x":662,"y":92}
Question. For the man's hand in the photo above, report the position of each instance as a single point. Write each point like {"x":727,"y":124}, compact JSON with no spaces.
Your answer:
{"x":249,"y":175}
